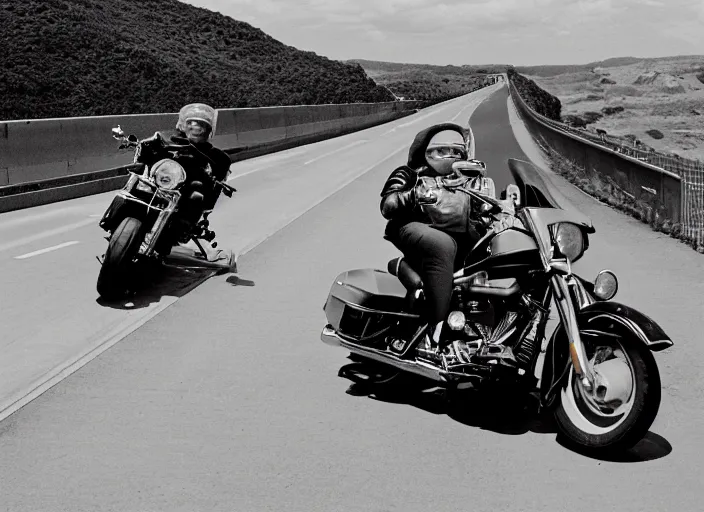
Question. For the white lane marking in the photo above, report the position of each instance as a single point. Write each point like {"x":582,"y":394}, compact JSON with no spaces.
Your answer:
{"x":296,"y":216}
{"x":8,"y":223}
{"x":45,"y":234}
{"x":272,"y":159}
{"x":356,"y":143}
{"x":48,"y":249}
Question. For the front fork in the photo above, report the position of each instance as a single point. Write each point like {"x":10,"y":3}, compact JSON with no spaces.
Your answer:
{"x":568,"y":316}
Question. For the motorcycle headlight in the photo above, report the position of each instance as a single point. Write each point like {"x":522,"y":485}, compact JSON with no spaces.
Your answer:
{"x":605,"y":285}
{"x":168,"y":174}
{"x":569,"y":240}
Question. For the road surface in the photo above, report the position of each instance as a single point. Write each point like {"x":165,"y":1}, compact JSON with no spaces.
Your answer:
{"x":227,"y":400}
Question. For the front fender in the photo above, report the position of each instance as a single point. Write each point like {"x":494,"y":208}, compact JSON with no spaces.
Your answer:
{"x":590,"y":320}
{"x":642,"y":326}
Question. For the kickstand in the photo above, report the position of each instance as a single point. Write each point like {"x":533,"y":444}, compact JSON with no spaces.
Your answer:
{"x":205,"y":255}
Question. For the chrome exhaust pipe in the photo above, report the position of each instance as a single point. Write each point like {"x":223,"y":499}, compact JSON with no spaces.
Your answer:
{"x":330,"y":337}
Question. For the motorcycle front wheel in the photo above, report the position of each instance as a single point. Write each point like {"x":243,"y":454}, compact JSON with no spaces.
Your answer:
{"x":113,"y":279}
{"x":623,"y":411}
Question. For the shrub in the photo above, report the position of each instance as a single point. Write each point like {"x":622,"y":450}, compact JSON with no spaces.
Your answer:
{"x":655,"y":134}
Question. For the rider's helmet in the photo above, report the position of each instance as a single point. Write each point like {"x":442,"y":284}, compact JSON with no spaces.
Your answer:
{"x":197,"y":121}
{"x":445,"y":148}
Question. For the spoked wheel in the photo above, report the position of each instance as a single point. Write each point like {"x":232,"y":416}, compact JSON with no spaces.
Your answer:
{"x":624,"y":405}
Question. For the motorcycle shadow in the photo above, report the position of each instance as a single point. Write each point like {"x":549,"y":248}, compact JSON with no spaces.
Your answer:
{"x":496,"y":411}
{"x":502,"y":411}
{"x":157,"y":281}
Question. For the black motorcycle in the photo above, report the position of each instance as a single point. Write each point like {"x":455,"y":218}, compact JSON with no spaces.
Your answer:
{"x":145,"y":218}
{"x":596,"y":371}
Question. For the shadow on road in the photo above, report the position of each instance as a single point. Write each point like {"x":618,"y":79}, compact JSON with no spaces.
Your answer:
{"x":651,"y":447}
{"x":238,"y":281}
{"x":500,"y":411}
{"x":156,"y":281}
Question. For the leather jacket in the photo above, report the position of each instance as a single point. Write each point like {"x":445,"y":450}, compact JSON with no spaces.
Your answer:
{"x":441,"y":202}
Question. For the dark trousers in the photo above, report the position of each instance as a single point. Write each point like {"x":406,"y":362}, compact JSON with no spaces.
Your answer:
{"x":435,"y":255}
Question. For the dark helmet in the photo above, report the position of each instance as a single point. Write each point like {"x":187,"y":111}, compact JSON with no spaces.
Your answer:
{"x":438,"y":146}
{"x":445,"y":148}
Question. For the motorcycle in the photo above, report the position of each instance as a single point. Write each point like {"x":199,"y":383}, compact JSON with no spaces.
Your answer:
{"x":144,"y":222}
{"x":595,"y":373}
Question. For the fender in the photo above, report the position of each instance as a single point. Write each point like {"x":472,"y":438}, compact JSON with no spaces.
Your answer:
{"x":556,"y":362}
{"x":642,"y":326}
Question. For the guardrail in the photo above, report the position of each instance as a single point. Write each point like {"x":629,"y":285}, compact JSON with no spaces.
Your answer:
{"x":665,"y":191}
{"x":48,"y":160}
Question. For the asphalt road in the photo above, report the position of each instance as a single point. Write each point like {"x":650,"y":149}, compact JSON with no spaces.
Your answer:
{"x":50,"y":318}
{"x":227,"y":400}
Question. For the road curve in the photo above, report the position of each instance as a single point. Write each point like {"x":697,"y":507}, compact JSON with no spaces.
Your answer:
{"x":227,"y":400}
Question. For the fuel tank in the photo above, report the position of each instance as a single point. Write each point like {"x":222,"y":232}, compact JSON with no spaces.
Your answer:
{"x":506,"y":253}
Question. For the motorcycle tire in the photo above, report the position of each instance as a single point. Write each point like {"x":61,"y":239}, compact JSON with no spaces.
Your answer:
{"x":585,"y":425}
{"x":113,"y":279}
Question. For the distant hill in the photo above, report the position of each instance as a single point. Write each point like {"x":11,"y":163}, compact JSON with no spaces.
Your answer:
{"x":426,"y":81}
{"x":553,"y":70}
{"x":65,"y":58}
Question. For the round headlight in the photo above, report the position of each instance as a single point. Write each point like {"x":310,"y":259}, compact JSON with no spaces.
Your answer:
{"x":605,"y":285}
{"x":569,"y":240}
{"x":168,"y":174}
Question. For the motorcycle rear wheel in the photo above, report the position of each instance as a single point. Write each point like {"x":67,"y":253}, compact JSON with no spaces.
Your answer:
{"x":597,"y":427}
{"x":113,"y":279}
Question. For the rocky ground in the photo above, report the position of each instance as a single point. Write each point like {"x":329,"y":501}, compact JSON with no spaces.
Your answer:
{"x":662,"y":101}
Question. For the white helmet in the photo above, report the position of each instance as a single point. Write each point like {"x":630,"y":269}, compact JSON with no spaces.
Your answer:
{"x":197,"y":121}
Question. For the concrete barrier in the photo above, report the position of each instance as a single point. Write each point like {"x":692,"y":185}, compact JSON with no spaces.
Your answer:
{"x":633,"y":181}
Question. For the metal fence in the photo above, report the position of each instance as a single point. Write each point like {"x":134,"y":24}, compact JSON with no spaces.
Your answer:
{"x":670,"y":184}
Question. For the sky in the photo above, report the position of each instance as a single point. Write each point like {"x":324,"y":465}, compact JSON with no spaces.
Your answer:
{"x":517,"y":32}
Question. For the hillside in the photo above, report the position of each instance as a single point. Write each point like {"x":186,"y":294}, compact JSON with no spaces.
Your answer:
{"x":66,"y":58}
{"x":658,"y":101}
{"x":425,"y":81}
{"x":553,"y":70}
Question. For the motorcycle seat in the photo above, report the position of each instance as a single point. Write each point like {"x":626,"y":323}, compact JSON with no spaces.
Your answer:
{"x":410,"y":279}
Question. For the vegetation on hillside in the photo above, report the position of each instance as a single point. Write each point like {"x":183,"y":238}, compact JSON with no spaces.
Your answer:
{"x":428,"y":82}
{"x":66,"y":58}
{"x":538,"y":99}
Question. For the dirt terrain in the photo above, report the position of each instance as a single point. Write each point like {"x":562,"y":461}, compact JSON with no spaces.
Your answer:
{"x":657,"y":95}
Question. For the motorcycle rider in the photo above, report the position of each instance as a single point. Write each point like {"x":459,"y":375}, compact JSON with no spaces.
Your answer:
{"x":430,"y":218}
{"x":204,"y":163}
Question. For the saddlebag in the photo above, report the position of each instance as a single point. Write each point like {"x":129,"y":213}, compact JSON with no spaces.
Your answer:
{"x":365,"y":303}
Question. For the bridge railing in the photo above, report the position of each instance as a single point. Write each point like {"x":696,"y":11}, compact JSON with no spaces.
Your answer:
{"x":665,"y":191}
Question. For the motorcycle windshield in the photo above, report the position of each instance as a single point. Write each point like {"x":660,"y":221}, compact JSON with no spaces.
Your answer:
{"x":543,"y":205}
{"x":539,"y":220}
